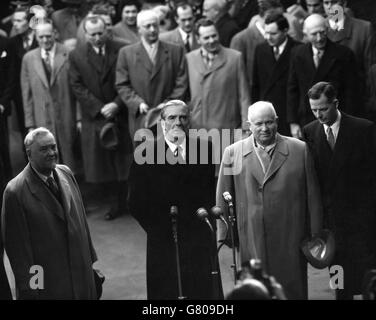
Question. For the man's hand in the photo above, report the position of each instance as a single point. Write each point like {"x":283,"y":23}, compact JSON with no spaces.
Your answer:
{"x":144,"y":108}
{"x":2,"y":108}
{"x":296,"y":131}
{"x":109,"y":110}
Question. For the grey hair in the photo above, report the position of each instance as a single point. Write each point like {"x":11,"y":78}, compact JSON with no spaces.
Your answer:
{"x":261,"y":104}
{"x":146,"y":14}
{"x":33,"y":134}
{"x":174,"y":103}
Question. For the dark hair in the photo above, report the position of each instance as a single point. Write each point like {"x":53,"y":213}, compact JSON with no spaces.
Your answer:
{"x":203,"y":22}
{"x":24,"y":9}
{"x":279,"y":19}
{"x":325,"y":88}
{"x":181,"y":4}
{"x":135,"y":3}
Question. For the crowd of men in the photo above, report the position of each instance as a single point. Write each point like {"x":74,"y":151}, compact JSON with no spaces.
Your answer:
{"x":298,"y":83}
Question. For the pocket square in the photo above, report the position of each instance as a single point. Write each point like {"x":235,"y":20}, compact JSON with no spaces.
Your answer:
{"x":3,"y":54}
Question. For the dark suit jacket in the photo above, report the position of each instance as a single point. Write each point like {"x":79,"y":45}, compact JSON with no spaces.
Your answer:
{"x":174,"y":37}
{"x":16,"y":44}
{"x":227,"y":28}
{"x":348,"y":187}
{"x":93,"y":83}
{"x":337,"y":65}
{"x":38,"y":229}
{"x":270,"y":79}
{"x":154,"y":188}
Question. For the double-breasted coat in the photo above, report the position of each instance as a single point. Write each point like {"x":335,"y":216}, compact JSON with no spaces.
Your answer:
{"x":50,"y":102}
{"x":40,"y":230}
{"x":275,"y":211}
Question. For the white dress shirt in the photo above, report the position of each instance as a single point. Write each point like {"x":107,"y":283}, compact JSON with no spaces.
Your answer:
{"x":51,"y":53}
{"x":334,"y":127}
{"x":173,"y":147}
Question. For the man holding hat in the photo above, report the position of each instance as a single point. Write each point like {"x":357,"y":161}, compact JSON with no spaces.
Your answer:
{"x":106,"y":145}
{"x":343,"y":148}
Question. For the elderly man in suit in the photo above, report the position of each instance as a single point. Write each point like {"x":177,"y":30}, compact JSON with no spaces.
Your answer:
{"x":277,"y":198}
{"x":149,"y":72}
{"x":218,"y":85}
{"x":126,"y":29}
{"x":356,"y":34}
{"x":344,"y":150}
{"x":92,"y":77}
{"x":44,"y":227}
{"x":174,"y":176}
{"x":183,"y":34}
{"x":271,"y":65}
{"x":217,"y":11}
{"x":48,"y":99}
{"x":319,"y":60}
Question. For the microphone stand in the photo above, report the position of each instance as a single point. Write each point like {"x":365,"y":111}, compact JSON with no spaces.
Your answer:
{"x":232,"y":220}
{"x":217,"y":292}
{"x":174,"y":214}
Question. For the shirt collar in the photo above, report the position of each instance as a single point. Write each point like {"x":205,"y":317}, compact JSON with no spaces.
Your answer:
{"x":315,"y":50}
{"x":183,"y":34}
{"x":267,"y":148}
{"x":149,"y":46}
{"x":42,"y":176}
{"x":174,"y":146}
{"x":51,"y":52}
{"x":282,"y":46}
{"x":334,"y":126}
{"x":96,"y":49}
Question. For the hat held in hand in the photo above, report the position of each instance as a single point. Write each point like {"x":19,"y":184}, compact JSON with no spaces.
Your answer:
{"x":109,"y":136}
{"x":319,"y":249}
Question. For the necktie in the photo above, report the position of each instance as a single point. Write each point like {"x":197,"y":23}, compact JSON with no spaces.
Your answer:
{"x":26,"y":43}
{"x":187,"y":45}
{"x":178,"y":153}
{"x":330,"y":136}
{"x":317,"y":58}
{"x":101,"y":51}
{"x":53,"y":187}
{"x":47,"y":61}
{"x":276,"y":53}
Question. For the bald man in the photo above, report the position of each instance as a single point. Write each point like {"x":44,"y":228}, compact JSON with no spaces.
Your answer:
{"x":277,"y":199}
{"x":149,"y":72}
{"x":319,"y":60}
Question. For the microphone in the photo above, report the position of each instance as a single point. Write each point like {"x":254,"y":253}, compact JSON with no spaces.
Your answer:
{"x":227,"y":197}
{"x":202,"y":214}
{"x":218,"y":214}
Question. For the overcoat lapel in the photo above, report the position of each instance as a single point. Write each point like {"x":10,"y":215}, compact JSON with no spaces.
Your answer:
{"x":94,"y":59}
{"x":326,"y":63}
{"x":280,"y":155}
{"x":66,"y":195}
{"x":218,"y":62}
{"x":251,"y":160}
{"x":143,"y":60}
{"x":60,"y":59}
{"x":162,"y":56}
{"x":40,"y":191}
{"x":110,"y":59}
{"x":39,"y":68}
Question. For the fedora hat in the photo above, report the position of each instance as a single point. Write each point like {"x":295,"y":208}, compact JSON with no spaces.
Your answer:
{"x":319,"y":249}
{"x":109,"y":136}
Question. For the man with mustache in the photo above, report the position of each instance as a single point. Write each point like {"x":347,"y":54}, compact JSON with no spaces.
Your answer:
{"x":44,"y":226}
{"x":174,"y":176}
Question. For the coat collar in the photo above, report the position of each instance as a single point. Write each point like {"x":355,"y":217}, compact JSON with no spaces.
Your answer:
{"x":40,"y":190}
{"x":280,"y":154}
{"x":61,"y":56}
